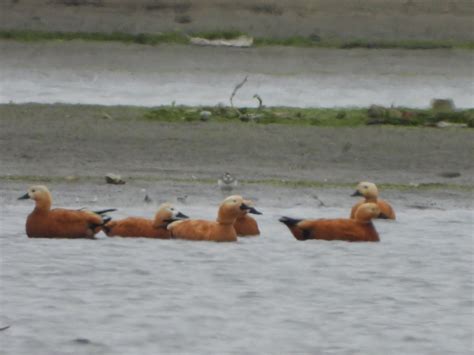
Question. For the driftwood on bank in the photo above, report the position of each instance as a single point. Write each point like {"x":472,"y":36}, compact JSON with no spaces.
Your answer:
{"x":237,"y":88}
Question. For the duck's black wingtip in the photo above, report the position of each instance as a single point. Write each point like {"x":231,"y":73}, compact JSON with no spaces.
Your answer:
{"x":101,"y":212}
{"x":105,"y":220}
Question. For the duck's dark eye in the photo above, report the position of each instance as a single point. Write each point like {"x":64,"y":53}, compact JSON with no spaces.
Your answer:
{"x":33,"y":190}
{"x":365,"y":187}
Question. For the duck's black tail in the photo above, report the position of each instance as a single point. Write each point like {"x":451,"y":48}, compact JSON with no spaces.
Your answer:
{"x":105,"y":219}
{"x":298,"y":232}
{"x":290,"y":222}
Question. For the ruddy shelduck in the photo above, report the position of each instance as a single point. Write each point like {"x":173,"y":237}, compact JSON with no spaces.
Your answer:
{"x":245,"y":225}
{"x":143,"y":227}
{"x":369,"y":191}
{"x":221,"y":230}
{"x":45,"y":222}
{"x":359,"y":229}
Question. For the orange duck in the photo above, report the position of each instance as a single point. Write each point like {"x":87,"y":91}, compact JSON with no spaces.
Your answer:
{"x":45,"y":222}
{"x":369,"y":191}
{"x":245,"y":225}
{"x":221,"y":230}
{"x":360,"y":229}
{"x":146,"y":228}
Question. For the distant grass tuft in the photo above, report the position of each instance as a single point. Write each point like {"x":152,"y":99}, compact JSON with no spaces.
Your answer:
{"x":140,"y":38}
{"x":318,"y":42}
{"x":183,"y":38}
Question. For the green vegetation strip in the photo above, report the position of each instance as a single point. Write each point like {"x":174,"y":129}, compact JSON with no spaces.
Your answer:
{"x":184,"y":38}
{"x":323,"y":117}
{"x":276,"y":115}
{"x":295,"y":184}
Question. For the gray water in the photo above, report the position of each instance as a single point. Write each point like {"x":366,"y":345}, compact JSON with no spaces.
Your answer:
{"x":409,"y":294}
{"x":118,"y":74}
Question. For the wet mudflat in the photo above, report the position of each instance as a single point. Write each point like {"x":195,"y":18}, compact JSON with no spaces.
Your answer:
{"x":120,"y":74}
{"x":411,"y":293}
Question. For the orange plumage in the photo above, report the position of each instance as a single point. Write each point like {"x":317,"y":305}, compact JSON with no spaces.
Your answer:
{"x":221,"y":230}
{"x":146,"y":228}
{"x":45,"y":222}
{"x":386,"y":211}
{"x":245,"y":225}
{"x":369,"y":191}
{"x":359,"y":229}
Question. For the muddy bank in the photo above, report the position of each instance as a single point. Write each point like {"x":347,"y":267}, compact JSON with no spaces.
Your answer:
{"x":346,"y":19}
{"x":63,"y":140}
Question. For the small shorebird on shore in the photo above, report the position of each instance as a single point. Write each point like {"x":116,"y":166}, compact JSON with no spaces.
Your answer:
{"x":147,"y":198}
{"x":227,"y":182}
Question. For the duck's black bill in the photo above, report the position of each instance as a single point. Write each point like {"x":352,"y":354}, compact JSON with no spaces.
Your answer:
{"x":24,"y":197}
{"x":356,"y":193}
{"x":254,"y":211}
{"x":181,"y":215}
{"x":249,"y":209}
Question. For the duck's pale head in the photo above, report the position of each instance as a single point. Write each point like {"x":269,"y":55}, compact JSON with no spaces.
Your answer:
{"x":232,"y":207}
{"x":36,"y":193}
{"x":366,"y":189}
{"x":166,"y":214}
{"x":40,"y":194}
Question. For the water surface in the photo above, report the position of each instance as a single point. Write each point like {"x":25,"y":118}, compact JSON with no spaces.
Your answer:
{"x":409,"y":294}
